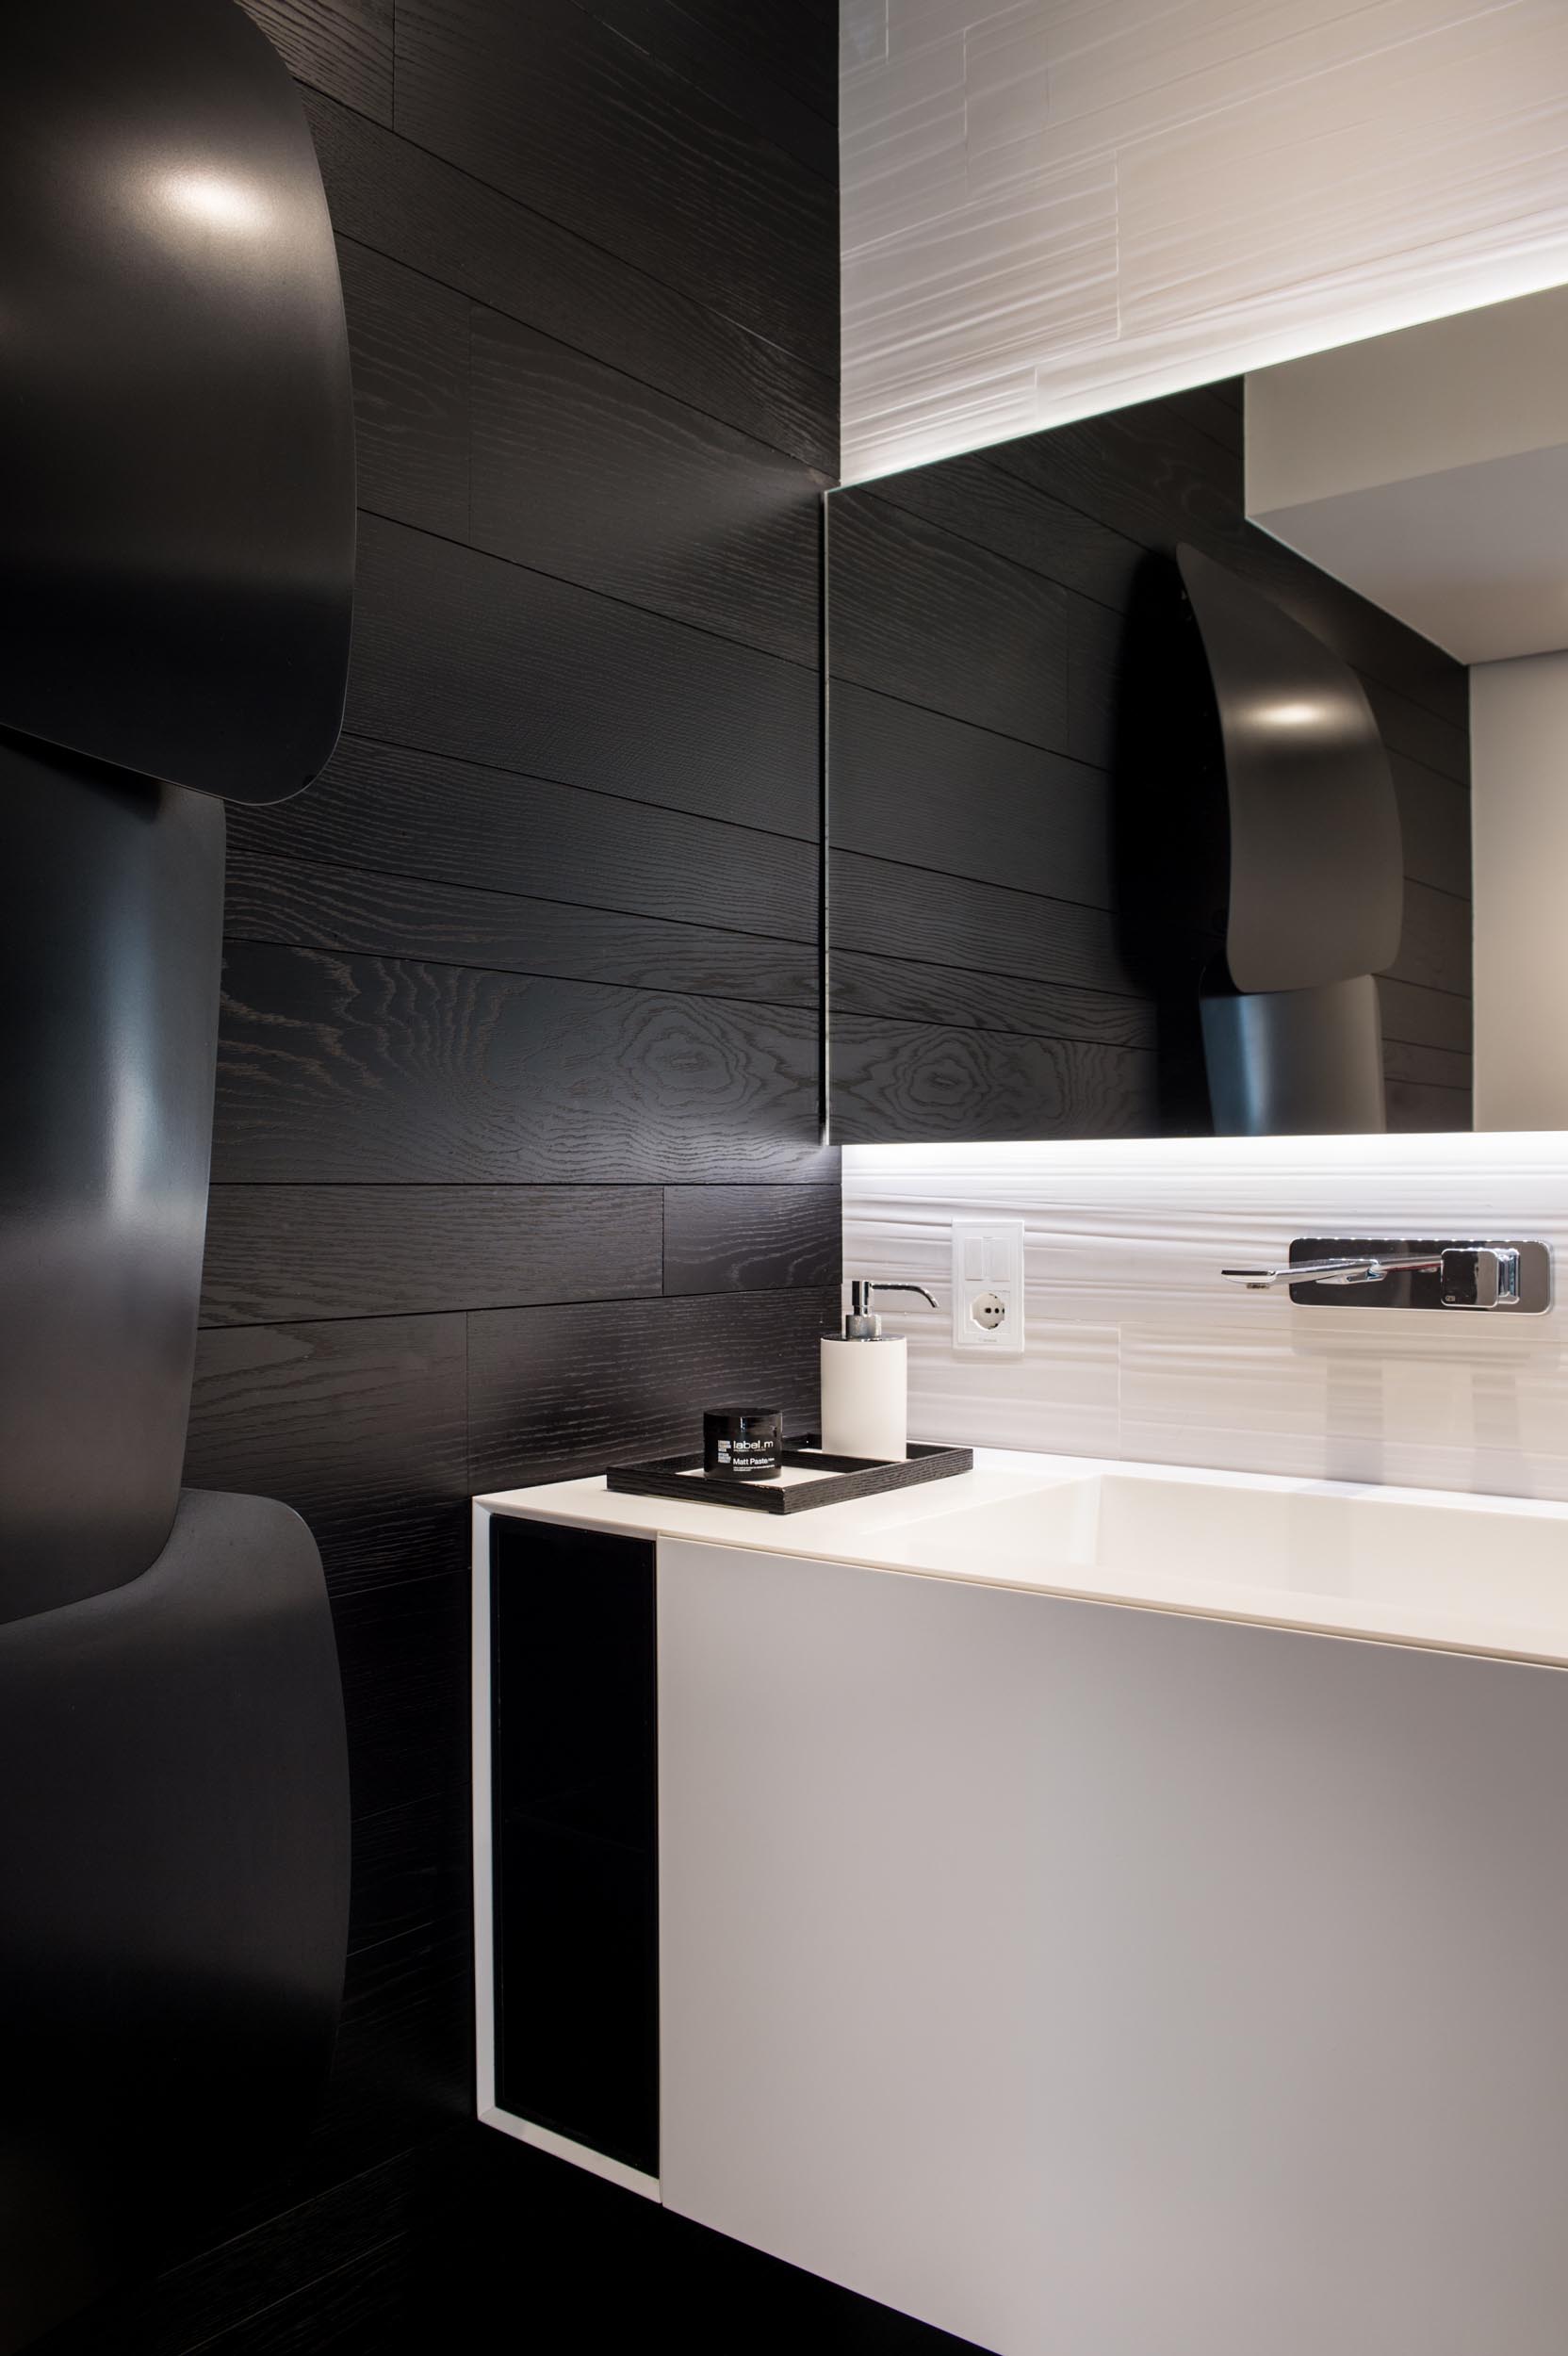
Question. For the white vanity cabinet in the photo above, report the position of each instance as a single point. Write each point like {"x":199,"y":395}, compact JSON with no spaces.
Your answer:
{"x":1102,"y":1982}
{"x":1179,"y":1971}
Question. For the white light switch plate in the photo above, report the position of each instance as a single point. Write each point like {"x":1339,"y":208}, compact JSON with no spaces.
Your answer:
{"x":988,"y":1286}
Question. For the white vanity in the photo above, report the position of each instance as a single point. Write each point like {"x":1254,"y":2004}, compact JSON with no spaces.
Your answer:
{"x":1103,"y":1910}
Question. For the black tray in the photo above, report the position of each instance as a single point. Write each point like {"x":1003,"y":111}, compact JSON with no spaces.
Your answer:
{"x":843,"y":1477}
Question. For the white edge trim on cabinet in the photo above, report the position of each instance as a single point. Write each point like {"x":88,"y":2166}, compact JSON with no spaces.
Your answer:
{"x":489,"y":2113}
{"x":484,"y":1859}
{"x":563,"y":2148}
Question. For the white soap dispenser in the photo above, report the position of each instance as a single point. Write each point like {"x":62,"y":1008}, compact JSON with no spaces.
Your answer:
{"x":865,"y":1380}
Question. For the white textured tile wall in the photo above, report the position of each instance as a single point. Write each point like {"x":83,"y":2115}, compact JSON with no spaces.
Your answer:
{"x":1136,"y":1348}
{"x":1057,"y":206}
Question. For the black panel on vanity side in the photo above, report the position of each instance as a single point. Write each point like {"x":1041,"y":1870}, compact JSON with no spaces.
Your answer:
{"x":574,"y":1830}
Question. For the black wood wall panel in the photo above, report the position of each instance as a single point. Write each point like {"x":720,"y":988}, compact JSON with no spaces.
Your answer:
{"x":518,"y":1159}
{"x":295,"y":904}
{"x":718,"y":51}
{"x":969,"y":1087}
{"x":277,"y":1253}
{"x":746,"y":1238}
{"x":408,"y":346}
{"x":550,"y":1389}
{"x":442,"y":821}
{"x":460,"y":652}
{"x":359,"y":1070}
{"x":902,"y":989}
{"x":573,"y":477}
{"x":977,"y":609}
{"x":567,"y":116}
{"x":394,"y":197}
{"x":954,"y":780}
{"x":344,"y":46}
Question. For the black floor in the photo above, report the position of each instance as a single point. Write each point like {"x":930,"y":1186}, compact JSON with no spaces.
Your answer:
{"x":476,"y":2242}
{"x":571,"y":2265}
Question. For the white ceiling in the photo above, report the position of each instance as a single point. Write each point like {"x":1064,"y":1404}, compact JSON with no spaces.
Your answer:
{"x":1428,"y":470}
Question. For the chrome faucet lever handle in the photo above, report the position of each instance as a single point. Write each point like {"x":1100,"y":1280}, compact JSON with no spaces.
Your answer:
{"x":1362,"y":1271}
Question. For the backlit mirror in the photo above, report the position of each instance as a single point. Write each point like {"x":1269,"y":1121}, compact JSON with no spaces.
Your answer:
{"x":1154,"y":744}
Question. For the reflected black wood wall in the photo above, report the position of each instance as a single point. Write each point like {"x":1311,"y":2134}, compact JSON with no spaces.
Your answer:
{"x":516,"y":1158}
{"x":976,"y":611}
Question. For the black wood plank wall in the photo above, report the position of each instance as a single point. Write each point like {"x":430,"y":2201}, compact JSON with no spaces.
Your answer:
{"x":975,"y":609}
{"x":516,"y":1158}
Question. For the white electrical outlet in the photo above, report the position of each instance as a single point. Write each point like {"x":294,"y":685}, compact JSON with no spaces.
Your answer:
{"x":987,"y":1285}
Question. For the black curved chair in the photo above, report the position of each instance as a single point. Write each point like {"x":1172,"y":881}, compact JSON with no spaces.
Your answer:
{"x":176,"y":569}
{"x":1314,"y":901}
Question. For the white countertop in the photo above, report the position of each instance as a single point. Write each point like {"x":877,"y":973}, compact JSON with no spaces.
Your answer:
{"x":1432,"y":1567}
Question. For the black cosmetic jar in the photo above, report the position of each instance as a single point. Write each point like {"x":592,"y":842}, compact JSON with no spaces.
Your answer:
{"x":746,"y":1442}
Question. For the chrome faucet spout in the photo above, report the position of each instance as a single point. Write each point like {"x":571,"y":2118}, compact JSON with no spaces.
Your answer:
{"x":1363,"y":1271}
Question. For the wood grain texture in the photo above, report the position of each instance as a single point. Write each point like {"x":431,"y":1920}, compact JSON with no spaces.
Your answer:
{"x":1424,"y":1018}
{"x":408,"y":346}
{"x":939,"y":622}
{"x":977,"y":500}
{"x":902,"y":989}
{"x":559,"y":112}
{"x":969,"y":1087}
{"x":1144,"y":472}
{"x":967,"y":802}
{"x":1409,"y":727}
{"x":722,"y":1239}
{"x":584,"y":474}
{"x":290,"y":1252}
{"x":358,"y":1424}
{"x":790,"y":45}
{"x":909,"y":912}
{"x":393,"y":196}
{"x":415,"y":814}
{"x":342,"y":1069}
{"x":1427,"y":1066}
{"x":1217,"y":410}
{"x":1098,"y":683}
{"x":342,"y":46}
{"x":1434,"y":819}
{"x":458,"y":653}
{"x":554,"y":1392}
{"x":287,"y":902}
{"x":1434,"y":947}
{"x":756,"y":80}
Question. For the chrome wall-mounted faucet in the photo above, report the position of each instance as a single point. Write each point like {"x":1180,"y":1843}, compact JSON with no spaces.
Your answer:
{"x":1341,"y":1271}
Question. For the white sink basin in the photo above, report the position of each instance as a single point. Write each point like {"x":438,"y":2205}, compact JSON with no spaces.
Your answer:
{"x":1435,"y":1567}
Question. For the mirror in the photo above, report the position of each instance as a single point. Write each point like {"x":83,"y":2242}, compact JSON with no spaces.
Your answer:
{"x":1149,"y":751}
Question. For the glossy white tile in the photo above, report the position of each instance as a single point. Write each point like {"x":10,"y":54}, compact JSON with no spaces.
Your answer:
{"x":1136,"y":1348}
{"x":1275,"y":176}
